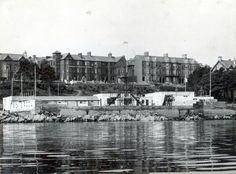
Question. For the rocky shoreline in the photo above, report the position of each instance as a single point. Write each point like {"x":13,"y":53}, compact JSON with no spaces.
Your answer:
{"x":110,"y":116}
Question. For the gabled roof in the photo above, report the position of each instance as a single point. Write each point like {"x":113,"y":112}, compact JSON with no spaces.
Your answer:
{"x":167,"y":59}
{"x":57,"y":98}
{"x":12,"y":56}
{"x":225,"y":64}
{"x":92,"y":58}
{"x":228,"y":63}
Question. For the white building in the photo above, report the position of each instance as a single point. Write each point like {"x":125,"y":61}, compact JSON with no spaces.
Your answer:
{"x":178,"y":98}
{"x":159,"y":98}
{"x":18,"y":104}
{"x":29,"y":103}
{"x":120,"y":100}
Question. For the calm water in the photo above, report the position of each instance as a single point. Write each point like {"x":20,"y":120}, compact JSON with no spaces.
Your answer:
{"x":135,"y":147}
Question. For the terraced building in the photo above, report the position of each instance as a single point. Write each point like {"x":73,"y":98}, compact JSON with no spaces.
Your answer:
{"x":90,"y":67}
{"x":161,"y":69}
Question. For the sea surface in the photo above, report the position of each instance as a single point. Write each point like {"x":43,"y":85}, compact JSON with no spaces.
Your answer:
{"x":116,"y":147}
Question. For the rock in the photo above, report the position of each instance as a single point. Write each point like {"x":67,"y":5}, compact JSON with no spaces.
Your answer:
{"x":21,"y":120}
{"x":160,"y":118}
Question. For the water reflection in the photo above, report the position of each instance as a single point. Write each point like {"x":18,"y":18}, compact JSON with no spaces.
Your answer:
{"x":133,"y":147}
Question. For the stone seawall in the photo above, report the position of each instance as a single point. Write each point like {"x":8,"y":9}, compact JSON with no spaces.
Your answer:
{"x":86,"y":115}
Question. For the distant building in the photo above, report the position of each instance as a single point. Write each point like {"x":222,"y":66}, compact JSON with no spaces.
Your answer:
{"x":9,"y":64}
{"x":88,"y":67}
{"x":225,"y":64}
{"x":161,"y":69}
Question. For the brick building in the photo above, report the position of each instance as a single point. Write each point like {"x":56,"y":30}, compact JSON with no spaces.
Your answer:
{"x":9,"y":64}
{"x":90,"y":67}
{"x":161,"y":69}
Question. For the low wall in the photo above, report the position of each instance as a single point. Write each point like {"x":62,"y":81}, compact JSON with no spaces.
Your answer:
{"x":117,"y":114}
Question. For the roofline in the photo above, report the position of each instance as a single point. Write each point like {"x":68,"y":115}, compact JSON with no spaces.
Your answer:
{"x":164,"y":57}
{"x":51,"y":98}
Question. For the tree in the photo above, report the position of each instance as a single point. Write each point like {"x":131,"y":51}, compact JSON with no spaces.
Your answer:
{"x":47,"y":75}
{"x":199,"y":79}
{"x":26,"y":69}
{"x":221,"y":81}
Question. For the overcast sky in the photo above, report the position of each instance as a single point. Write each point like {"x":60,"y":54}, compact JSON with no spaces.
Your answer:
{"x":203,"y":29}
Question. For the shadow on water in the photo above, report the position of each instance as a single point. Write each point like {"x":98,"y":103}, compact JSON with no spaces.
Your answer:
{"x":116,"y":147}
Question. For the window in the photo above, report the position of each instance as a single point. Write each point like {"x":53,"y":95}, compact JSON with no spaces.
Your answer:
{"x":143,"y":78}
{"x":4,"y":67}
{"x":144,"y":64}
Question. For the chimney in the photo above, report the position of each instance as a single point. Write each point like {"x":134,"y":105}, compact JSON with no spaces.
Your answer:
{"x":185,"y":56}
{"x":165,"y":55}
{"x":220,"y":58}
{"x":80,"y":54}
{"x":110,"y":55}
{"x":146,"y":54}
{"x":89,"y":53}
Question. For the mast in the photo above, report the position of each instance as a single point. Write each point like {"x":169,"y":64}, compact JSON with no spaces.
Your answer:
{"x":12,"y":81}
{"x":35,"y":83}
{"x":58,"y":88}
{"x":210,"y":83}
{"x":185,"y":83}
{"x":21,"y":84}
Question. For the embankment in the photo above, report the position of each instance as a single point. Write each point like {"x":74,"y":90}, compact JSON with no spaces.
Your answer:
{"x":118,"y":114}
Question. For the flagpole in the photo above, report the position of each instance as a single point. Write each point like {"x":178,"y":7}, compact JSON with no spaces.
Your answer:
{"x":210,"y":83}
{"x":58,"y":88}
{"x":185,"y":82}
{"x":21,"y":84}
{"x":35,"y":83}
{"x":12,"y":81}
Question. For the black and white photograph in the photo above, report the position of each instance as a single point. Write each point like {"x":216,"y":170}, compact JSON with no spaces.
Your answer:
{"x":117,"y":86}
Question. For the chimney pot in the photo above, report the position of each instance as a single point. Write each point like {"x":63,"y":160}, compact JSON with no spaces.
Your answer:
{"x":220,"y":58}
{"x":184,"y":56}
{"x":109,"y":55}
{"x":165,"y":55}
{"x":146,"y":53}
{"x":89,"y":53}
